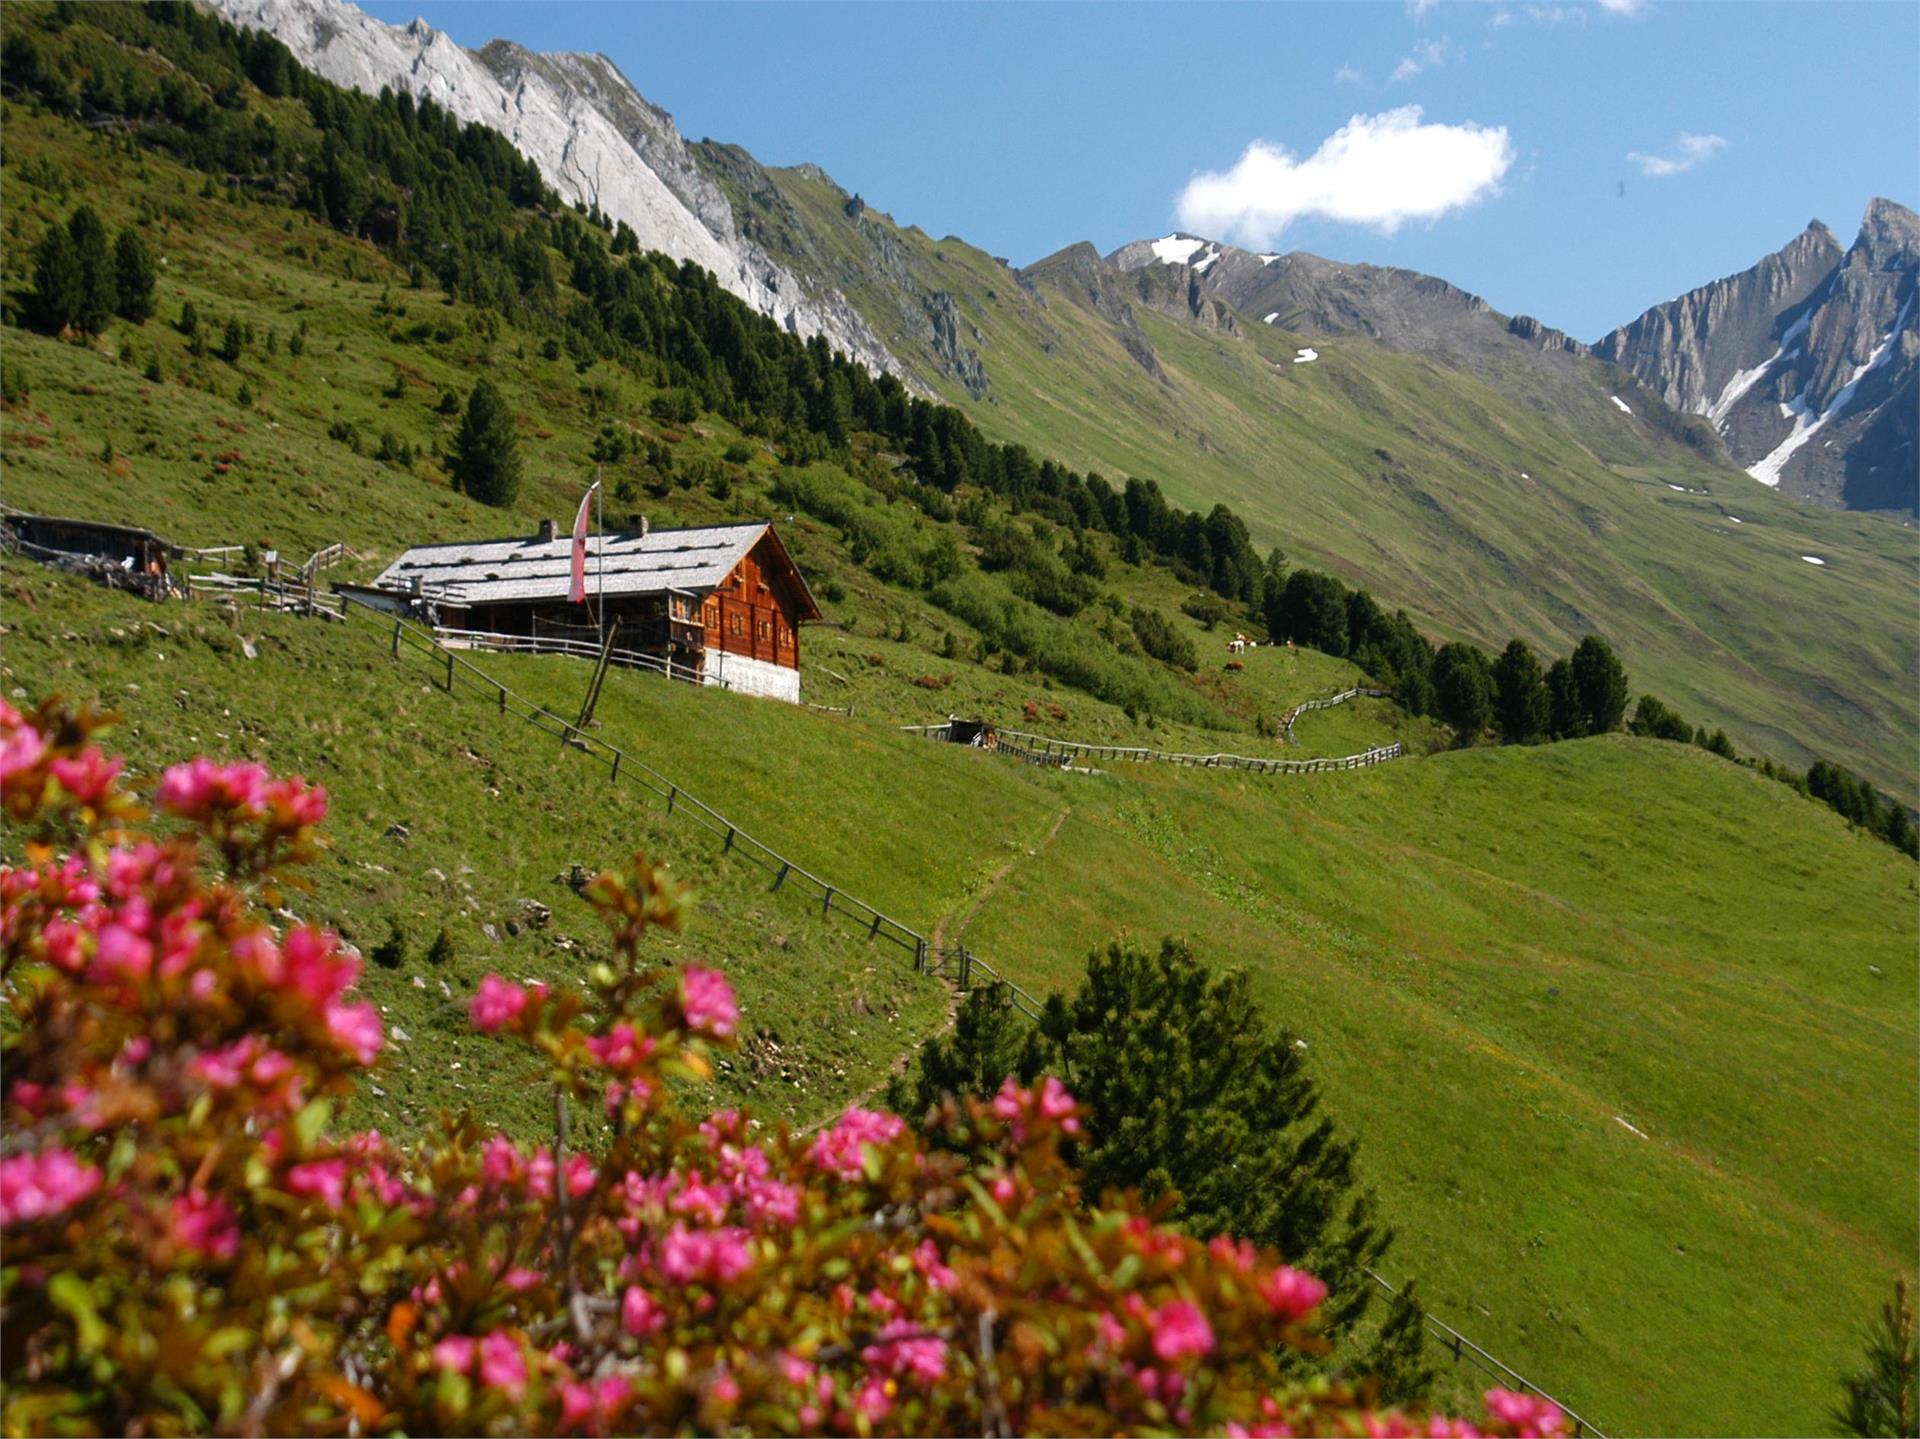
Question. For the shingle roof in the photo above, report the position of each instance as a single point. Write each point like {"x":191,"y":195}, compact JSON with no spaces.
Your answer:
{"x":489,"y":571}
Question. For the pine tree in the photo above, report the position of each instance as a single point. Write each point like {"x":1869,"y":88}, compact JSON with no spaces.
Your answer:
{"x":1520,"y":694}
{"x":485,"y":458}
{"x":1601,"y":684}
{"x":1565,"y":719}
{"x":134,"y":275}
{"x":1882,"y":1396}
{"x":98,"y":295}
{"x":1189,"y":1090}
{"x":57,"y":283}
{"x":1463,"y":690}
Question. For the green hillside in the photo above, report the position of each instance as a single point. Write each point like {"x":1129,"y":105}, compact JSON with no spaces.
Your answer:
{"x":1538,"y":509}
{"x":1501,"y":960}
{"x":1627,"y":1032}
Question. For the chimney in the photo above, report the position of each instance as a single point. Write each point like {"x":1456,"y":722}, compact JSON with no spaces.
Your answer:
{"x":643,"y":527}
{"x":546,"y":532}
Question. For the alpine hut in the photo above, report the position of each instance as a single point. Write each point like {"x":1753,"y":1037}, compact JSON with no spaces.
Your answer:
{"x":722,"y":604}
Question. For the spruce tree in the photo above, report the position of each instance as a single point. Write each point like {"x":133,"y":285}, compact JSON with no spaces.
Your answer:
{"x":134,"y":273}
{"x":1463,"y":690}
{"x":57,"y":283}
{"x":1189,"y":1089}
{"x":98,"y":295}
{"x":485,"y":458}
{"x":1565,"y":719}
{"x":1520,"y":694}
{"x":1882,"y":1396}
{"x":1601,"y":684}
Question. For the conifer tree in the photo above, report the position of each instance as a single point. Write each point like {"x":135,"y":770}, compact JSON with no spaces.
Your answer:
{"x":98,"y":295}
{"x":57,"y":283}
{"x":1191,"y":1090}
{"x":485,"y":458}
{"x":1565,"y":719}
{"x":133,"y":271}
{"x":1520,"y":694}
{"x":1882,"y":1396}
{"x":1463,"y":690}
{"x":1601,"y":684}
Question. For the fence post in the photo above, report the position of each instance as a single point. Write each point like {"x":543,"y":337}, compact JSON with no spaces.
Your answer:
{"x":919,"y":956}
{"x":396,"y":639}
{"x":503,"y":697}
{"x":826,"y":902}
{"x":782,"y":877}
{"x":966,"y":966}
{"x":616,"y":766}
{"x":727,"y":848}
{"x":672,"y":790}
{"x":449,"y":671}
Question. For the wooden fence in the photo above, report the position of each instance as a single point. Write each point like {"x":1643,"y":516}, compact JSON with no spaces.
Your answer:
{"x":1040,"y":749}
{"x":1358,"y":692}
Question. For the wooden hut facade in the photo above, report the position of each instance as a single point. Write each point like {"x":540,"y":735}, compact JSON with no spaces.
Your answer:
{"x":725,"y":601}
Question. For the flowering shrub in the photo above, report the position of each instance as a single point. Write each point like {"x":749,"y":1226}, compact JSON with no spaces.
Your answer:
{"x":187,"y":1243}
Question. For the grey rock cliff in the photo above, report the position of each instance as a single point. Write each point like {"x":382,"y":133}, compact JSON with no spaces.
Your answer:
{"x":1805,"y":363}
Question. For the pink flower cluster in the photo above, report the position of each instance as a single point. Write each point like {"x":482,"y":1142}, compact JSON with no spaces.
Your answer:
{"x":707,"y":1001}
{"x":38,"y":1186}
{"x":496,"y":1004}
{"x":1017,"y":1107}
{"x":207,"y":792}
{"x":503,"y":1363}
{"x":839,"y":1150}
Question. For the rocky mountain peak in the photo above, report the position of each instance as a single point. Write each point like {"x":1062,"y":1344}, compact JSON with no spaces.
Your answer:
{"x":1805,"y":363}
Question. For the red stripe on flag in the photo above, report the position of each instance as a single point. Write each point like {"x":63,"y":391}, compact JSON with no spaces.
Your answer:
{"x":577,"y":592}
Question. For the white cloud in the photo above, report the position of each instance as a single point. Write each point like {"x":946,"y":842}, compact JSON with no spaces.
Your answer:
{"x":1419,"y":8}
{"x":1500,"y":20}
{"x":1623,"y":7}
{"x":1689,"y":150}
{"x":1378,"y":170}
{"x":1346,"y":75}
{"x":1425,"y":55}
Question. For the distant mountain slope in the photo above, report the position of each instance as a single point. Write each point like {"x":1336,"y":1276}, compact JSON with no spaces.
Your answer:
{"x":597,"y":141}
{"x":1806,"y":363}
{"x":1491,"y":484}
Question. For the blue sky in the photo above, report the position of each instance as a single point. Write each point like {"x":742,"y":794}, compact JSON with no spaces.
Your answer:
{"x":1023,"y":128}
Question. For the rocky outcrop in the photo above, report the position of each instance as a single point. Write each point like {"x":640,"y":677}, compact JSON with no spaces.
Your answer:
{"x":960,"y":360}
{"x":1805,"y":363}
{"x":1530,"y":332}
{"x":596,"y":140}
{"x":1079,"y":273}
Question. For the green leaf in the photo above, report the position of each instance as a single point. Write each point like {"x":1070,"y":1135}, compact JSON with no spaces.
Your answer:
{"x":311,"y":1122}
{"x":70,"y":1294}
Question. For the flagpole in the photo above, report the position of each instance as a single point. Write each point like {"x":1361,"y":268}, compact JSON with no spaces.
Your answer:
{"x":600,"y":508}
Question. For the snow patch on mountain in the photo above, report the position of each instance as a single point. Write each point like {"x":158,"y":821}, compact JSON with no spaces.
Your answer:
{"x":1806,"y":424}
{"x":1306,"y":356}
{"x":1624,"y":407}
{"x":1176,"y":249}
{"x":1744,"y":380}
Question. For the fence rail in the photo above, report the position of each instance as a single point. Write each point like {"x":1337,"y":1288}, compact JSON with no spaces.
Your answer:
{"x":1042,"y":749}
{"x":1357,"y":692}
{"x":577,"y":649}
{"x":1463,"y":1348}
